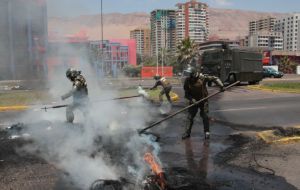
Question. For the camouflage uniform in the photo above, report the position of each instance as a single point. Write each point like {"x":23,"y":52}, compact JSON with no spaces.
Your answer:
{"x":167,"y":87}
{"x":80,"y":97}
{"x":195,"y":90}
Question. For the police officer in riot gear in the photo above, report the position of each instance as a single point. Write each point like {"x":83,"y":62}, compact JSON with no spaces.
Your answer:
{"x":79,"y":92}
{"x":167,"y":87}
{"x":195,"y":90}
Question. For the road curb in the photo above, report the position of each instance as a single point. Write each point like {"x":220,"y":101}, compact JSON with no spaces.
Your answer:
{"x":280,"y":136}
{"x":259,"y":87}
{"x":274,"y":134}
{"x":13,"y":108}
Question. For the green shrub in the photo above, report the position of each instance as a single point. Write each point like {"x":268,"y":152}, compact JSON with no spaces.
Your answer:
{"x":132,"y":71}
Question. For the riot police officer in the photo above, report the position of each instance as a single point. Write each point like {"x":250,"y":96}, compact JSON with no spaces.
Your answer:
{"x":167,"y":87}
{"x":195,"y":90}
{"x":79,"y":92}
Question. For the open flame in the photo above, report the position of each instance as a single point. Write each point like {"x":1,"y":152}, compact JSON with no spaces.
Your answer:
{"x":157,"y":170}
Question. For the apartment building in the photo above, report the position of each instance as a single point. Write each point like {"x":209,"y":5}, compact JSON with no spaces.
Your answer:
{"x":262,"y":34}
{"x":266,"y":39}
{"x":192,"y":21}
{"x":267,"y":24}
{"x":163,"y":31}
{"x":142,"y":38}
{"x":289,"y":27}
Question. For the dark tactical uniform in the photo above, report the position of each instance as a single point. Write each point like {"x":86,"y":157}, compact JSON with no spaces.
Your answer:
{"x":80,"y":95}
{"x":167,"y":87}
{"x":195,"y":90}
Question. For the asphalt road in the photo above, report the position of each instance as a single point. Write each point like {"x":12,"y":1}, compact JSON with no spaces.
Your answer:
{"x":238,"y":105}
{"x":209,"y":160}
{"x":243,"y":106}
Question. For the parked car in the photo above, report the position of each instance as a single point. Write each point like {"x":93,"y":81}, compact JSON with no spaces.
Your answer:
{"x":270,"y":72}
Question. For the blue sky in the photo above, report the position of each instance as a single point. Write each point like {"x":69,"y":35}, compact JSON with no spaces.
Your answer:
{"x":78,"y":7}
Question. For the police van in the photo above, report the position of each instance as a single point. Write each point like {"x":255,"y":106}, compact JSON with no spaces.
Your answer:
{"x":233,"y":64}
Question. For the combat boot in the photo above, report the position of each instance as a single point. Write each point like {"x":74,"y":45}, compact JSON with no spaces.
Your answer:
{"x":188,"y":127}
{"x":206,"y":135}
{"x":186,"y":136}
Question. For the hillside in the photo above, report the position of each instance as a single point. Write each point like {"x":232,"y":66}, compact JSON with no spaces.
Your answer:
{"x":224,"y":23}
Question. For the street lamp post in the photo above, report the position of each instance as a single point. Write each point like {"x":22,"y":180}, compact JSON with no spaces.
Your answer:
{"x":102,"y":44}
{"x":156,"y":41}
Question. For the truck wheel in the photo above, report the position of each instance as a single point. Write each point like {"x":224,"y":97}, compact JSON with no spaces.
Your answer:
{"x":232,"y":78}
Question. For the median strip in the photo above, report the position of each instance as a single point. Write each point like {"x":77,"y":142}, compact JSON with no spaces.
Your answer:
{"x":278,"y":87}
{"x":281,"y":136}
{"x":13,"y":108}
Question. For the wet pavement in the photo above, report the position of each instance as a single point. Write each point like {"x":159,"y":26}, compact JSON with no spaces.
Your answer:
{"x":210,"y":159}
{"x":224,"y":162}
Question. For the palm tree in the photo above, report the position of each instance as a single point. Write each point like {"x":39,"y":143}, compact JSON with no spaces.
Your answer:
{"x":187,"y":52}
{"x":286,"y":65}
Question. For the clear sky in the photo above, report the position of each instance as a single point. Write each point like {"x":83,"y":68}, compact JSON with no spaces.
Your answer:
{"x":79,"y":7}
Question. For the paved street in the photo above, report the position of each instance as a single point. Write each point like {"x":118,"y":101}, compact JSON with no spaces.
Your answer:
{"x":241,"y":105}
{"x":226,"y":161}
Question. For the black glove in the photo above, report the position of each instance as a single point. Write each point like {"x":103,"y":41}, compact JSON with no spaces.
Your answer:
{"x":191,"y":101}
{"x":222,"y":89}
{"x":63,"y":97}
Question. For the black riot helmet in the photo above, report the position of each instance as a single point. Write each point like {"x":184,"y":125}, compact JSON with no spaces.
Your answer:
{"x":72,"y":73}
{"x":191,"y":72}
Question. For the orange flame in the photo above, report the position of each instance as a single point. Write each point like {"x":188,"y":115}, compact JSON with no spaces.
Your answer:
{"x":156,"y":169}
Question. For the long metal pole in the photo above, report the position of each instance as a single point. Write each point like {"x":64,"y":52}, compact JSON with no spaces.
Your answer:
{"x":165,"y":42}
{"x":104,"y":100}
{"x":11,"y":41}
{"x":186,"y":108}
{"x":102,"y":51}
{"x":156,"y":40}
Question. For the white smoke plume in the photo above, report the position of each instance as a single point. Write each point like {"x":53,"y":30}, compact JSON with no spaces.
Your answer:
{"x":103,"y":145}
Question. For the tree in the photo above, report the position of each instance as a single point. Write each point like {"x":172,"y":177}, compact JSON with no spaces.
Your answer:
{"x":149,"y":61}
{"x":132,"y":71}
{"x":286,"y":65}
{"x":187,"y":53}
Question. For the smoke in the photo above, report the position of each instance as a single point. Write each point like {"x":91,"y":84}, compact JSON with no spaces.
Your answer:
{"x":104,"y":144}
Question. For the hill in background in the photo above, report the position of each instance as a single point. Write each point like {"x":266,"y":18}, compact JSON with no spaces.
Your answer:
{"x":224,"y":23}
